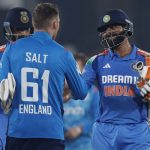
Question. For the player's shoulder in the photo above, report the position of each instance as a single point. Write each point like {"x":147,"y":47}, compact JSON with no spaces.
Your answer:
{"x":26,"y":39}
{"x":103,"y":53}
{"x":95,"y":57}
{"x":143,"y":53}
{"x":2,"y":48}
{"x":58,"y":46}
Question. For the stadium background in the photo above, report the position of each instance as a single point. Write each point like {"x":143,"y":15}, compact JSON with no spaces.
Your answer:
{"x":79,"y":20}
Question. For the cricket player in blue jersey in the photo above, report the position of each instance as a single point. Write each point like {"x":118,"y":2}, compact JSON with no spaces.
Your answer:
{"x":39,"y":66}
{"x":79,"y":116}
{"x":17,"y":24}
{"x":123,"y":120}
{"x":3,"y":118}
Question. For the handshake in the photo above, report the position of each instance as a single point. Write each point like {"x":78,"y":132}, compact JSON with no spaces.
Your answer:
{"x":7,"y":90}
{"x":144,"y":81}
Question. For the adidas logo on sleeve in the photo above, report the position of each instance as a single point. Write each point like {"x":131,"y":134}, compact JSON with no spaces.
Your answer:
{"x":107,"y":66}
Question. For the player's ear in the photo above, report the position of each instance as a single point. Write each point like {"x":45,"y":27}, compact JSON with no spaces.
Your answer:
{"x":55,"y":23}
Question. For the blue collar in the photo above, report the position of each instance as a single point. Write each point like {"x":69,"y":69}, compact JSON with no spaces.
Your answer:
{"x":43,"y":35}
{"x":130,"y":56}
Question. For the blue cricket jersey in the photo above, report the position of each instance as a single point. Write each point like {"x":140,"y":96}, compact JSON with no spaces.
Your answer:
{"x":121,"y":102}
{"x":40,"y":66}
{"x":2,"y":48}
{"x":3,"y":117}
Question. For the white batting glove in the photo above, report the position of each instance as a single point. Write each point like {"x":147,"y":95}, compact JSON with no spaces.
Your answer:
{"x":7,"y":90}
{"x":145,"y":90}
{"x":145,"y":72}
{"x":12,"y":85}
{"x":4,"y":90}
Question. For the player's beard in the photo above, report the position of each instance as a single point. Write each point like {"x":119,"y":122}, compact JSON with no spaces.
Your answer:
{"x":113,"y":40}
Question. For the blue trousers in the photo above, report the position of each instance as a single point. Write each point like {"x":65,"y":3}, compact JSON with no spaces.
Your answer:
{"x":121,"y":137}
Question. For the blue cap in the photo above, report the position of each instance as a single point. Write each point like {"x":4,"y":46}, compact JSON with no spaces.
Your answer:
{"x":113,"y":17}
{"x":19,"y":18}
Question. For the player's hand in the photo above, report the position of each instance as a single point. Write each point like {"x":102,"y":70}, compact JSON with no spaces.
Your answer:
{"x":67,"y":97}
{"x":144,"y":81}
{"x":144,"y":71}
{"x":73,"y":132}
{"x":67,"y":93}
{"x":7,"y":90}
{"x":144,"y":87}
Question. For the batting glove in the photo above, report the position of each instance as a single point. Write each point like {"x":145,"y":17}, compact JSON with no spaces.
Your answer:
{"x":7,"y":90}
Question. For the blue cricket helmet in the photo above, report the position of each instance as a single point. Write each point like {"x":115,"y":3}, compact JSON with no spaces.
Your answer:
{"x":115,"y":17}
{"x":17,"y":19}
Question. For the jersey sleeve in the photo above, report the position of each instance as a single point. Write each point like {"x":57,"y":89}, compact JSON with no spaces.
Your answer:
{"x":74,"y":78}
{"x":89,"y":73}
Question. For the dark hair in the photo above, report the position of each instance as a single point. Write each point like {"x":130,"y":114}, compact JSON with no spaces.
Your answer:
{"x":43,"y":13}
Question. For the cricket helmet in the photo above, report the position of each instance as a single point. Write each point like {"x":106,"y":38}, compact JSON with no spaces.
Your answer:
{"x":111,"y":18}
{"x":17,"y":19}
